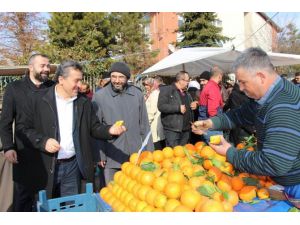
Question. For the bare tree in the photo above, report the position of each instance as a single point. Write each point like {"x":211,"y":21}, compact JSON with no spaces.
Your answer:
{"x":21,"y":33}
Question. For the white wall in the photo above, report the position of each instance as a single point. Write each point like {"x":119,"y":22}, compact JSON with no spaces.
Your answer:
{"x":240,"y":26}
{"x":263,"y":34}
{"x":233,"y":27}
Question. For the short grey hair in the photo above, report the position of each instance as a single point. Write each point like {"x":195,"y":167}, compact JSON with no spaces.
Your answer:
{"x":65,"y":66}
{"x":180,"y":75}
{"x":253,"y":59}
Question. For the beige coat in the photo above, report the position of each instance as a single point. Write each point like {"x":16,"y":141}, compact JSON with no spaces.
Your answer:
{"x":154,"y":117}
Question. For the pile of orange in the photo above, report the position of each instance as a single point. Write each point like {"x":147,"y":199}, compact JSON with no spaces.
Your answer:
{"x":190,"y":178}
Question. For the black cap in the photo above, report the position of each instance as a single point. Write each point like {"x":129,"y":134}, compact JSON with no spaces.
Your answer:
{"x":121,"y":68}
{"x":205,"y":75}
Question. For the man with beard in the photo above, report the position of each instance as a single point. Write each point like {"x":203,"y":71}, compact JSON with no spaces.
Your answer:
{"x":121,"y":101}
{"x":16,"y":150}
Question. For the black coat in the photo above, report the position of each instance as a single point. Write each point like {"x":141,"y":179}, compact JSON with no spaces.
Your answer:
{"x":15,"y":96}
{"x":168,"y":104}
{"x":40,"y":122}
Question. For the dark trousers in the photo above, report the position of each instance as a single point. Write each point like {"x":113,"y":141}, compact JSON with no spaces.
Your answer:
{"x":159,"y":145}
{"x":67,"y":179}
{"x":174,"y":138}
{"x":23,"y":200}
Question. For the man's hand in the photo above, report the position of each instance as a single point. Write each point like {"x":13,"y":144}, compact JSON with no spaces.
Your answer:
{"x":11,"y":156}
{"x":222,"y":148}
{"x":194,"y":105}
{"x":182,"y":109}
{"x":201,"y":126}
{"x":102,"y":163}
{"x":116,"y":129}
{"x":52,"y":145}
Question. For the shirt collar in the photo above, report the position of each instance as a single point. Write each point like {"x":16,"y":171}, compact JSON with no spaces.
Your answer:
{"x":263,"y":99}
{"x":61,"y":98}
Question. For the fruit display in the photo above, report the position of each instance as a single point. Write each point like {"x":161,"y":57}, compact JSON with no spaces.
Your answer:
{"x":190,"y":178}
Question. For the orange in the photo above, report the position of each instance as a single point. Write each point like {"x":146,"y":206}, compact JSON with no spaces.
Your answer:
{"x":148,"y":208}
{"x":207,"y":164}
{"x":128,"y":169}
{"x":178,"y":151}
{"x":171,"y":204}
{"x":251,"y":148}
{"x":237,"y":183}
{"x":136,"y":189}
{"x":142,"y":192}
{"x":132,"y":204}
{"x":173,"y":190}
{"x":147,"y":178}
{"x":199,"y":145}
{"x":103,"y":192}
{"x":140,"y":206}
{"x":215,"y":139}
{"x":263,"y":193}
{"x":160,"y":183}
{"x":176,"y":176}
{"x":197,"y":168}
{"x":158,"y":156}
{"x":215,"y":173}
{"x":135,"y":171}
{"x":168,"y":152}
{"x":124,"y":165}
{"x":200,"y":203}
{"x":146,"y":156}
{"x":182,"y":208}
{"x":190,"y":147}
{"x":150,"y":196}
{"x":185,"y":162}
{"x":247,"y":193}
{"x":212,"y":206}
{"x":217,"y":196}
{"x":224,"y":184}
{"x":117,"y":176}
{"x":220,"y":158}
{"x":228,"y":207}
{"x":167,"y":163}
{"x":160,"y":201}
{"x":207,"y":152}
{"x":240,"y":146}
{"x":190,"y":198}
{"x":232,"y":197}
{"x":195,"y":182}
{"x":133,"y":158}
{"x":131,"y":185}
{"x":188,"y":171}
{"x":227,"y":168}
{"x":128,"y":199}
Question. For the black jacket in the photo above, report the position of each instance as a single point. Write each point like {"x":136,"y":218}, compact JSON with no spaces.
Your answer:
{"x":15,"y":96}
{"x":40,"y":122}
{"x":169,"y":102}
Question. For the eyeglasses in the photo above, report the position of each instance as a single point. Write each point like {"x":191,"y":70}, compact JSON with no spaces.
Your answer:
{"x":186,"y":80}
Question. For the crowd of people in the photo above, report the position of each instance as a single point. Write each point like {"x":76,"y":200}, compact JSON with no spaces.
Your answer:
{"x":56,"y":134}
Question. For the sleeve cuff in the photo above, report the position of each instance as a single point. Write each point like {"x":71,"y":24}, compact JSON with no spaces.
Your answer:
{"x":230,"y":154}
{"x":216,"y":123}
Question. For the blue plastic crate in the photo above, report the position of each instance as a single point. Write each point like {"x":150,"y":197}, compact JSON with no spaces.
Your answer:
{"x":86,"y":202}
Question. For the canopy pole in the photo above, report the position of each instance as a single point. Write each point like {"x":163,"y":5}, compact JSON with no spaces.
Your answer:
{"x":183,"y":67}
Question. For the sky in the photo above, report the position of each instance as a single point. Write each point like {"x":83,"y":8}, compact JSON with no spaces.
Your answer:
{"x":283,"y":18}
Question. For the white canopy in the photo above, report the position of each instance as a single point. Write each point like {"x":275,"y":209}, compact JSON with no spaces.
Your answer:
{"x":196,"y":60}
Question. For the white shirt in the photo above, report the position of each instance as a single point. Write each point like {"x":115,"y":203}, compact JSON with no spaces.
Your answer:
{"x":65,"y":121}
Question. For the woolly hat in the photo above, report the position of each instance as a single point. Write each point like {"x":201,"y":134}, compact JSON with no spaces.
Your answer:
{"x":194,"y":84}
{"x":121,"y":68}
{"x":205,"y":75}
